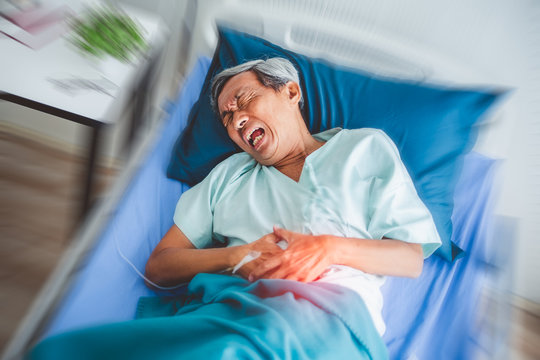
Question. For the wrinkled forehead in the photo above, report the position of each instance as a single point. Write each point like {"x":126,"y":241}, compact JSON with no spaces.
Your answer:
{"x":236,"y":85}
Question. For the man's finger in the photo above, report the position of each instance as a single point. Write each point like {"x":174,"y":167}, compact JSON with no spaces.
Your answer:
{"x":276,"y":273}
{"x":292,"y":276}
{"x":283,"y":234}
{"x":264,"y":268}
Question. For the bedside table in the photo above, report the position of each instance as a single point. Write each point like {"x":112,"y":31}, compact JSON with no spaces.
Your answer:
{"x":57,"y":79}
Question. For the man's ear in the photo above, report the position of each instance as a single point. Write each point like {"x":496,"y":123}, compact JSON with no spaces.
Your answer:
{"x":293,"y":92}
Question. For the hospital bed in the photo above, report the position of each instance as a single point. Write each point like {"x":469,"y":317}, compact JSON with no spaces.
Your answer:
{"x":438,"y":315}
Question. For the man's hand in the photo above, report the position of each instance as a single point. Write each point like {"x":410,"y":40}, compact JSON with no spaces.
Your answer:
{"x":305,"y":258}
{"x":266,"y":246}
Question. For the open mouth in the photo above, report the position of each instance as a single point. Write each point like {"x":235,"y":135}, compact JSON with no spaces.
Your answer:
{"x":255,"y":136}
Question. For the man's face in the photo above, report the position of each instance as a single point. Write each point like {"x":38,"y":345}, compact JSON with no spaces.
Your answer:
{"x":258,"y":119}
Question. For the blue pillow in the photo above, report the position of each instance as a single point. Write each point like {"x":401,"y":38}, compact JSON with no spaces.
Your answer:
{"x":431,"y":126}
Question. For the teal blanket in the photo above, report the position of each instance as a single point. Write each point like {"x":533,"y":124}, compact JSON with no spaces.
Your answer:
{"x":224,"y":317}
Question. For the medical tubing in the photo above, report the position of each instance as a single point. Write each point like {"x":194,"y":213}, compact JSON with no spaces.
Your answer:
{"x":141,"y":274}
{"x":252,"y":255}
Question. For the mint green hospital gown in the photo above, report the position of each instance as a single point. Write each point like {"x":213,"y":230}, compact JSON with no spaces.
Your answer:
{"x":355,"y":185}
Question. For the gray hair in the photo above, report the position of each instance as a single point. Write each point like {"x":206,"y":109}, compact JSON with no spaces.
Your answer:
{"x":273,"y":73}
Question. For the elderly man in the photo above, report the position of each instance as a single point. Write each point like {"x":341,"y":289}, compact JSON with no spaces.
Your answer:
{"x":346,"y":213}
{"x":345,"y":207}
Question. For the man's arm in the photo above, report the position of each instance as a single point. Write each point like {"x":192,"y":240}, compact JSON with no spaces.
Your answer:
{"x":308,"y":256}
{"x":175,"y":260}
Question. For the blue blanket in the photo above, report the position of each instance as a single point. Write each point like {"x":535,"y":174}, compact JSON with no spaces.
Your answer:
{"x":224,"y":317}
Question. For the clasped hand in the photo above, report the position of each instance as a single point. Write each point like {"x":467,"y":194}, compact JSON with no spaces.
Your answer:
{"x":304,"y":259}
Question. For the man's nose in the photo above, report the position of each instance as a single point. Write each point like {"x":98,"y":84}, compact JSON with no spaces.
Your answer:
{"x":240,"y":120}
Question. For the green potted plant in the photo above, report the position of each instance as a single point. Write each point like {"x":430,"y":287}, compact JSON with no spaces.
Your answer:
{"x":106,"y":33}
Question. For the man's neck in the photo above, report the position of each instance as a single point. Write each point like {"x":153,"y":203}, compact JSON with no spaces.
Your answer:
{"x":293,"y":164}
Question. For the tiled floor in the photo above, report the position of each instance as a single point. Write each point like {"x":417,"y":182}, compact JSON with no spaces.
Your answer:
{"x":39,"y":193}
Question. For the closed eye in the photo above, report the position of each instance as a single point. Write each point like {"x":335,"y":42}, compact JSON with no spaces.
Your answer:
{"x":224,"y":113}
{"x":244,"y":100}
{"x":226,"y":117}
{"x":241,"y":102}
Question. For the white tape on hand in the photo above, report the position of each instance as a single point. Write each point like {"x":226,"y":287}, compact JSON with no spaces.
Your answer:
{"x":283,"y":244}
{"x":252,"y":255}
